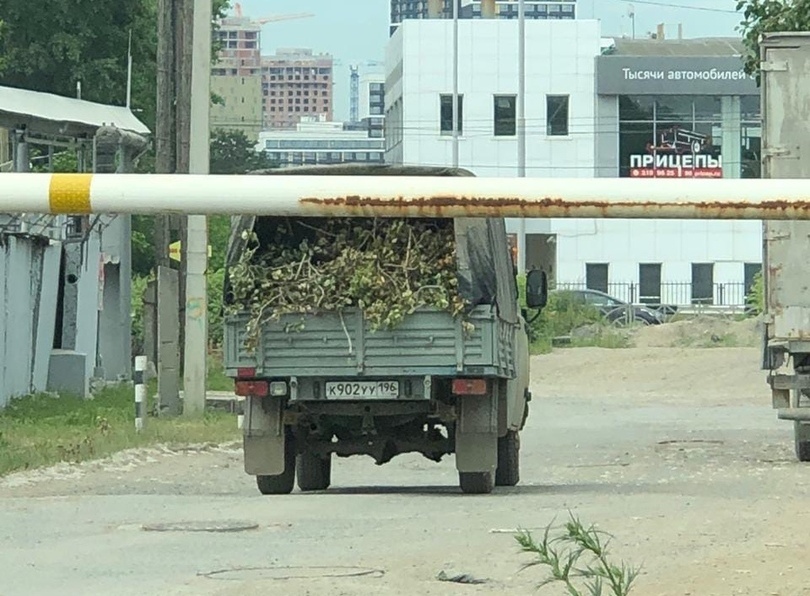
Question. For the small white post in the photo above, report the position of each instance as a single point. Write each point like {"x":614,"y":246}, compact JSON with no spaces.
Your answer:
{"x":140,"y":393}
{"x":240,"y":412}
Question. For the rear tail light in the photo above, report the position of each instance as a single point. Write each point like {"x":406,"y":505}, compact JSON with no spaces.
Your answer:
{"x":469,"y":386}
{"x":245,"y":373}
{"x":252,"y":388}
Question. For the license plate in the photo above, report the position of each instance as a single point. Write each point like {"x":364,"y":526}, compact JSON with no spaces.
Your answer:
{"x":362,"y":390}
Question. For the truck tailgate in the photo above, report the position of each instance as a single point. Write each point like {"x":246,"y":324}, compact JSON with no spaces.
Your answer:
{"x":428,"y":342}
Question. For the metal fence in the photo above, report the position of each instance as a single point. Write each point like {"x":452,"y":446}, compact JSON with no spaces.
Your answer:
{"x":726,"y":294}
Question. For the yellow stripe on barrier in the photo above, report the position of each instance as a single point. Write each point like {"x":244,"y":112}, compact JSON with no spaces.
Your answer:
{"x":70,"y":193}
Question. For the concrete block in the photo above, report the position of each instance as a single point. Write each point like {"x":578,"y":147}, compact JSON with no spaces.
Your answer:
{"x":67,"y":373}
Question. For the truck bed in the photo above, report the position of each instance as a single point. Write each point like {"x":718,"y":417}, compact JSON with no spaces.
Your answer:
{"x":428,"y":342}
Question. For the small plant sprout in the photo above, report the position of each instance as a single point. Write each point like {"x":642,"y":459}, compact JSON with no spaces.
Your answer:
{"x":578,"y":559}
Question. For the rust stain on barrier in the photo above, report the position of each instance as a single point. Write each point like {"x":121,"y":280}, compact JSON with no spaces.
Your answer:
{"x":440,"y":205}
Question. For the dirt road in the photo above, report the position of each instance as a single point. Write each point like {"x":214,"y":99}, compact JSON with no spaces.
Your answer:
{"x":675,"y":452}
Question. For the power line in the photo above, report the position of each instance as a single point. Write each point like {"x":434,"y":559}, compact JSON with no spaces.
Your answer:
{"x":681,"y":6}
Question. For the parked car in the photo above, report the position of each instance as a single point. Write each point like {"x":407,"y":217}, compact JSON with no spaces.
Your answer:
{"x":614,"y":310}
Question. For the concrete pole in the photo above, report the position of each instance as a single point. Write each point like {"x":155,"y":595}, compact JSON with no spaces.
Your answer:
{"x":196,"y":313}
{"x":22,"y":162}
{"x":455,"y":83}
{"x":521,"y":125}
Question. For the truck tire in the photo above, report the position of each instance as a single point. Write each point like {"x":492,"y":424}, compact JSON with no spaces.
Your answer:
{"x":314,"y":473}
{"x":280,"y":484}
{"x":476,"y":483}
{"x":508,"y":472}
{"x":802,"y":445}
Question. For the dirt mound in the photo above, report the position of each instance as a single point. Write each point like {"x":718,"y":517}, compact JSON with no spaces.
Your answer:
{"x":700,"y":332}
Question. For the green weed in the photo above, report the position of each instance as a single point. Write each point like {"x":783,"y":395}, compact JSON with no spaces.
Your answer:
{"x":578,"y":558}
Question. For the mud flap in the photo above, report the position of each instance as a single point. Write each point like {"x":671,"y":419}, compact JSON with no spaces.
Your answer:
{"x":264,"y":436}
{"x":477,"y":433}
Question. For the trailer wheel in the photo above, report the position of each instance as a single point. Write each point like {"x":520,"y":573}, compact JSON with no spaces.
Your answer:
{"x":476,"y":483}
{"x":280,"y":484}
{"x":508,"y":472}
{"x":314,"y":473}
{"x":800,"y":433}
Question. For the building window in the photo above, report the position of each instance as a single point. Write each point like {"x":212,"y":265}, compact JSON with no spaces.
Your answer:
{"x":596,"y":276}
{"x":750,"y":272}
{"x":446,"y":114}
{"x":702,"y":283}
{"x":557,"y":115}
{"x":504,"y":115}
{"x":649,"y":282}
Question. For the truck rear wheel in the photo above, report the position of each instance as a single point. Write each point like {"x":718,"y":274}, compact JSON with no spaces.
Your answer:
{"x":801,"y":432}
{"x":314,"y":473}
{"x":476,"y":483}
{"x":508,"y":472}
{"x":280,"y":484}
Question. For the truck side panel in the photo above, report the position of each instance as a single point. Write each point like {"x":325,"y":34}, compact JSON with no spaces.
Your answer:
{"x":786,"y":154}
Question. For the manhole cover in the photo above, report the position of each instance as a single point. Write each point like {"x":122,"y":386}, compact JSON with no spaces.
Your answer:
{"x":260,"y":573}
{"x":202,"y":526}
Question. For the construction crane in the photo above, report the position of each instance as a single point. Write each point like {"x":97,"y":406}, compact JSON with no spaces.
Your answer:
{"x":237,"y":10}
{"x":354,"y":85}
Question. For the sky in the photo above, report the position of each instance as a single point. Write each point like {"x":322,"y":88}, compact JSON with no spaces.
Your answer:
{"x":356,"y":31}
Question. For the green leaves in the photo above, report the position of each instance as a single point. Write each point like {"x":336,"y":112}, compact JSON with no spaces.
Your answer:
{"x":232,"y":152}
{"x":387,"y":267}
{"x":767,"y":16}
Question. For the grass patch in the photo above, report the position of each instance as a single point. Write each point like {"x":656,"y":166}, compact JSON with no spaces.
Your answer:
{"x":43,"y":429}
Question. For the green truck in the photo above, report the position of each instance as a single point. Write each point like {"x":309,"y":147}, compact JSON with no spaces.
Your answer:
{"x":434,"y":384}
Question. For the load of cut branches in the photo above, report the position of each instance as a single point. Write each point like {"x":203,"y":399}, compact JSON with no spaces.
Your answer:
{"x":387,"y":268}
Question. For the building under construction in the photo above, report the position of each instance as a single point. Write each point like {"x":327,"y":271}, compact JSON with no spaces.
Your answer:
{"x":402,"y":10}
{"x":236,"y":79}
{"x":296,"y":83}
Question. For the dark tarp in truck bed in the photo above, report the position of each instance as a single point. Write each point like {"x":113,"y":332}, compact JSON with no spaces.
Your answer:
{"x":485,"y":271}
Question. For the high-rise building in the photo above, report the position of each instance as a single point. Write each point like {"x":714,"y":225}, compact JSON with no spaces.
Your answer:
{"x":236,"y":79}
{"x":296,"y":83}
{"x":402,"y":10}
{"x":372,"y":103}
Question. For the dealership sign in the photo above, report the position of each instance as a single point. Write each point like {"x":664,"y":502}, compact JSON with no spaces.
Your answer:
{"x":673,"y":75}
{"x":678,"y":152}
{"x":675,"y":166}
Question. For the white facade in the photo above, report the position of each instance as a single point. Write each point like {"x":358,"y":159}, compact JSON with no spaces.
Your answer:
{"x":560,"y":61}
{"x":317,"y":141}
{"x":371,"y":94}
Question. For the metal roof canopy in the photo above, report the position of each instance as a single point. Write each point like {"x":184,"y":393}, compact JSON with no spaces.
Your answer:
{"x":57,"y":116}
{"x":699,"y":47}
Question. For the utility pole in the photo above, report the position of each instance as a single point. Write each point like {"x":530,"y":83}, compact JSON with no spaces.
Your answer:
{"x":196,"y":307}
{"x":521,"y":125}
{"x":455,"y":83}
{"x":164,"y":133}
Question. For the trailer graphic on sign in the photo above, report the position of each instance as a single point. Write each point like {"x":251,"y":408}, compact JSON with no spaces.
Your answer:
{"x":678,"y":153}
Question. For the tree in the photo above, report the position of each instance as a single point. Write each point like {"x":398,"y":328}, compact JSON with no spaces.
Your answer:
{"x":85,"y":41}
{"x":767,"y":16}
{"x":232,"y":152}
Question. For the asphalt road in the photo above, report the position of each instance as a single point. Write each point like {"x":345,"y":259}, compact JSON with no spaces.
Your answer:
{"x":704,"y":494}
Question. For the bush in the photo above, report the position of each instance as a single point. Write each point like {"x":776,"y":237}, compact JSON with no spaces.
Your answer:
{"x":756,"y":296}
{"x":561,"y":316}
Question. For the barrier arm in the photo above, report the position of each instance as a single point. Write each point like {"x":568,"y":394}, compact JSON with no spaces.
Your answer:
{"x":392,"y":196}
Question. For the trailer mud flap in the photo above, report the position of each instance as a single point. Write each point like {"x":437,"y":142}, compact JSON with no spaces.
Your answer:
{"x":264,"y":437}
{"x":477,"y":433}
